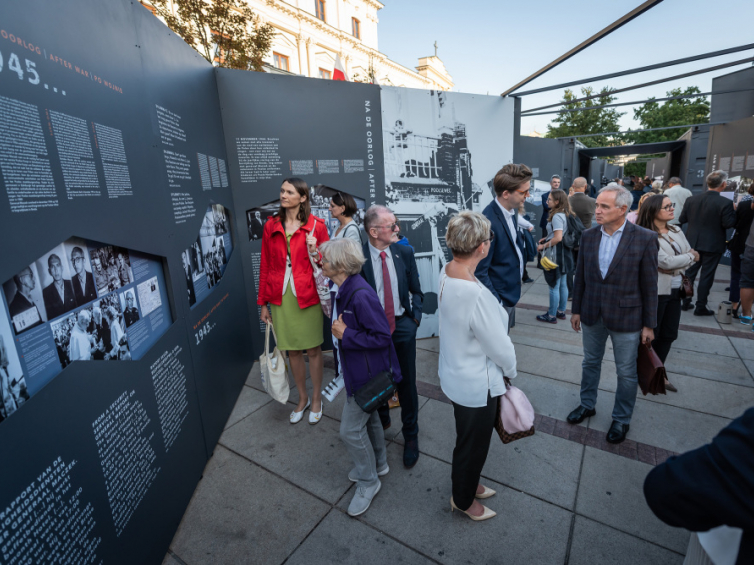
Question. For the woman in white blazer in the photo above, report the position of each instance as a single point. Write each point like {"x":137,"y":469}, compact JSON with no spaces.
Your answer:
{"x":476,"y":355}
{"x":675,"y":256}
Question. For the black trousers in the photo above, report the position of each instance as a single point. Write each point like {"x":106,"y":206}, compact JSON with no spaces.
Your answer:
{"x":668,"y":319}
{"x":404,"y":340}
{"x":569,"y":276}
{"x":474,"y":428}
{"x":708,"y":264}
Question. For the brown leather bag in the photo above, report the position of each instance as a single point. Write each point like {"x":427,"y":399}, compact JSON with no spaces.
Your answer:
{"x":650,"y":370}
{"x":687,"y":289}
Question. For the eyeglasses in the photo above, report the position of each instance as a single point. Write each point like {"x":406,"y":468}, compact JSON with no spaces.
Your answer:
{"x":392,"y":227}
{"x":492,"y":236}
{"x":77,"y":259}
{"x":669,"y":207}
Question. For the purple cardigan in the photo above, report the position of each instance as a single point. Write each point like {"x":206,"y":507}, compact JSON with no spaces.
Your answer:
{"x":367,"y":335}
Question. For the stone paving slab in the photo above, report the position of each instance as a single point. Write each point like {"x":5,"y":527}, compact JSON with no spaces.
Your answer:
{"x":241,"y":513}
{"x":414,"y":507}
{"x":611,"y":492}
{"x":312,"y":457}
{"x":248,"y":401}
{"x":594,"y":543}
{"x":542,"y":465}
{"x":744,"y":347}
{"x":339,"y":539}
{"x":170,"y":560}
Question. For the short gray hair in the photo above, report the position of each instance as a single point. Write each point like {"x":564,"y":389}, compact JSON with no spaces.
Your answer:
{"x":344,"y":255}
{"x":716,"y":179}
{"x":674,"y":180}
{"x":622,"y":196}
{"x":85,"y":315}
{"x":372,"y":215}
{"x":466,"y":231}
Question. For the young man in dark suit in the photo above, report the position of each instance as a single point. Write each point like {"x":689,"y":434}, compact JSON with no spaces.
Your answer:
{"x":503,"y":266}
{"x":583,"y":206}
{"x":83,"y":281}
{"x":615,"y":295}
{"x":709,"y":216}
{"x":390,"y":269}
{"x":58,"y":295}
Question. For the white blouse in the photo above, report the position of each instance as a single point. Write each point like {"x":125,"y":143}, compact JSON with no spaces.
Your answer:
{"x":475,"y":350}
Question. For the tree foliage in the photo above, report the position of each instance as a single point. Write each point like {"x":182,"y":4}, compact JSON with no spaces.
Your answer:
{"x":587,"y":121}
{"x":225,"y":32}
{"x":685,"y":111}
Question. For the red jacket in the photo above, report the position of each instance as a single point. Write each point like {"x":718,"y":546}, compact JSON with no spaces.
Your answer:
{"x":272,"y":268}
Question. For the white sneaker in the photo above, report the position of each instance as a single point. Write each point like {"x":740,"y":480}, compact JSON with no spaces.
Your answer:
{"x":295,"y":417}
{"x":333,"y":388}
{"x":362,"y":499}
{"x":380,"y":473}
{"x":315,"y":417}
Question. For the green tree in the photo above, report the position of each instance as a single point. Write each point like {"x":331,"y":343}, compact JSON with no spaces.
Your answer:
{"x":225,"y":32}
{"x":587,"y":121}
{"x":684,"y":111}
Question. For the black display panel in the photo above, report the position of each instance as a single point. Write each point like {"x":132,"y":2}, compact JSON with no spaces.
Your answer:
{"x":110,"y":133}
{"x":325,"y":132}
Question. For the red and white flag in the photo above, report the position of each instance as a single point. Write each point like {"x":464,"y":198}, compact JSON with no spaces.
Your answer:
{"x":339,"y":73}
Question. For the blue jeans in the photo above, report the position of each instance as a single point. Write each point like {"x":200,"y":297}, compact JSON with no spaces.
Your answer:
{"x":625,"y":349}
{"x":559,"y":296}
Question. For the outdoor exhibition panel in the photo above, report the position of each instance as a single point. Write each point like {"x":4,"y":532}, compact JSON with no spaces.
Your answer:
{"x":109,"y":172}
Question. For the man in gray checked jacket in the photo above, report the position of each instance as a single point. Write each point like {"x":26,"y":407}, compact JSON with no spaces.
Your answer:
{"x":615,"y":295}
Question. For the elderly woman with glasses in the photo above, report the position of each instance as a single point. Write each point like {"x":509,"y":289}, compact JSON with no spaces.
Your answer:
{"x":476,"y":355}
{"x":675,"y":256}
{"x":363,"y":348}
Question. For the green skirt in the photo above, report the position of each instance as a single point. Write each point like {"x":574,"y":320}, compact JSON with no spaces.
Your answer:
{"x":297,"y":329}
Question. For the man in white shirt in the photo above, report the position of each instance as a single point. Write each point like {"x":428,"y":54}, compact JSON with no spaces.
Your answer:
{"x":678,"y":196}
{"x":391,"y":270}
{"x":81,"y":342}
{"x":503,"y":267}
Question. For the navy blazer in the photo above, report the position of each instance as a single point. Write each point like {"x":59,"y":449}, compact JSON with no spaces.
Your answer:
{"x":500,"y":270}
{"x":627,"y":297}
{"x":409,"y":287}
{"x":711,"y":486}
{"x":545,"y":211}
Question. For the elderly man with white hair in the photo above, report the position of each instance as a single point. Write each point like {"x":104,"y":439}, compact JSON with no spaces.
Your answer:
{"x":615,"y":295}
{"x":82,"y":343}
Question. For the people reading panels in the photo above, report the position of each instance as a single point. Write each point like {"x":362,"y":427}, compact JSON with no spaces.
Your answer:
{"x":61,"y":309}
{"x":205,"y":260}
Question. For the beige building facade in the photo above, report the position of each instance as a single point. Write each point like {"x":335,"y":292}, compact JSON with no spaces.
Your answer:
{"x":310,"y":33}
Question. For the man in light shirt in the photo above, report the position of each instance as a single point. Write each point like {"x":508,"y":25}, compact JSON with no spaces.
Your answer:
{"x":678,"y":196}
{"x":618,"y":299}
{"x":81,"y":342}
{"x":391,"y":270}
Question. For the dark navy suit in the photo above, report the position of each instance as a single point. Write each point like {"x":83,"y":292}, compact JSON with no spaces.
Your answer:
{"x":545,"y":212}
{"x":500,"y":270}
{"x":404,"y":337}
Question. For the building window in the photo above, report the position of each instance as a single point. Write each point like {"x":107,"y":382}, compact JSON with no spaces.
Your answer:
{"x":219,"y":51}
{"x":319,"y":9}
{"x":356,"y":28}
{"x":324,"y":73}
{"x":280,"y":61}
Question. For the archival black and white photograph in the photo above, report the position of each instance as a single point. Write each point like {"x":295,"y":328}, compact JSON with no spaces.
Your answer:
{"x":111,"y":267}
{"x":441,"y":150}
{"x":187,"y":259}
{"x":13,"y":392}
{"x":149,"y":296}
{"x":55,"y":280}
{"x":23,"y":294}
{"x":129,"y":307}
{"x":80,"y":268}
{"x":92,"y":333}
{"x":256,"y":218}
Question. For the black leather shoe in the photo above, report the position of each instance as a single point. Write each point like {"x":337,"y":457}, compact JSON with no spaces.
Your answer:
{"x":703,"y":311}
{"x":686,"y":304}
{"x":617,"y":432}
{"x":410,"y":453}
{"x":528,"y":280}
{"x":580,"y":414}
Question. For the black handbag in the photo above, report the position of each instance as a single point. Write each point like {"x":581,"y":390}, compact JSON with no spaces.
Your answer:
{"x":377,"y":390}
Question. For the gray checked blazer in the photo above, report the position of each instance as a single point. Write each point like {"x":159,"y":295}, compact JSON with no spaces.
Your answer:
{"x":627,"y":297}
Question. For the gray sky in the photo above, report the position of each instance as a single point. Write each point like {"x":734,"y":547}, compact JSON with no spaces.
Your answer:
{"x":490,"y":45}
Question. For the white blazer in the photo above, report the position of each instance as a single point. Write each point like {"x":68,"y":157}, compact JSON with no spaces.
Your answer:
{"x":669,"y":261}
{"x":475,"y":350}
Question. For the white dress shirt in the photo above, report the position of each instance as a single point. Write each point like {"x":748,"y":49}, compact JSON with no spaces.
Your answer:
{"x":378,"y":282}
{"x":608,"y":246}
{"x":514,"y":232}
{"x":475,"y":350}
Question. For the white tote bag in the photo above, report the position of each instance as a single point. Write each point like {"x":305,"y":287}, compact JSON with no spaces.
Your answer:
{"x":274,"y":370}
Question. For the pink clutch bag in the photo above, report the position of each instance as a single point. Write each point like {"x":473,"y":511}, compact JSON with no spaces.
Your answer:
{"x":515,"y":415}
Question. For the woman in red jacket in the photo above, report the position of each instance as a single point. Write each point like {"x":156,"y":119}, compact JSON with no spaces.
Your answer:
{"x":286,"y":284}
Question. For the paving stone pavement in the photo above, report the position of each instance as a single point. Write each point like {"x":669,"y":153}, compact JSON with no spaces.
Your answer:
{"x":275,"y":493}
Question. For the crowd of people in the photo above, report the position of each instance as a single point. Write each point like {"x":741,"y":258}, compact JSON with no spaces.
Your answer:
{"x":625,"y":279}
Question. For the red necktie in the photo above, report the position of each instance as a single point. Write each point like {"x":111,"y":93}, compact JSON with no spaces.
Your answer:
{"x":388,"y":291}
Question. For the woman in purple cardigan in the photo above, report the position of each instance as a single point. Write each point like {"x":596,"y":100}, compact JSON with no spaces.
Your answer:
{"x":363,"y":348}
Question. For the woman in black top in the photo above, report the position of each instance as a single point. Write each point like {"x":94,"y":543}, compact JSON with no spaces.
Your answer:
{"x":744,"y":216}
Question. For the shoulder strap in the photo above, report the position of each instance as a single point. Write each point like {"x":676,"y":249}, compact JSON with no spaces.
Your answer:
{"x":350,"y":297}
